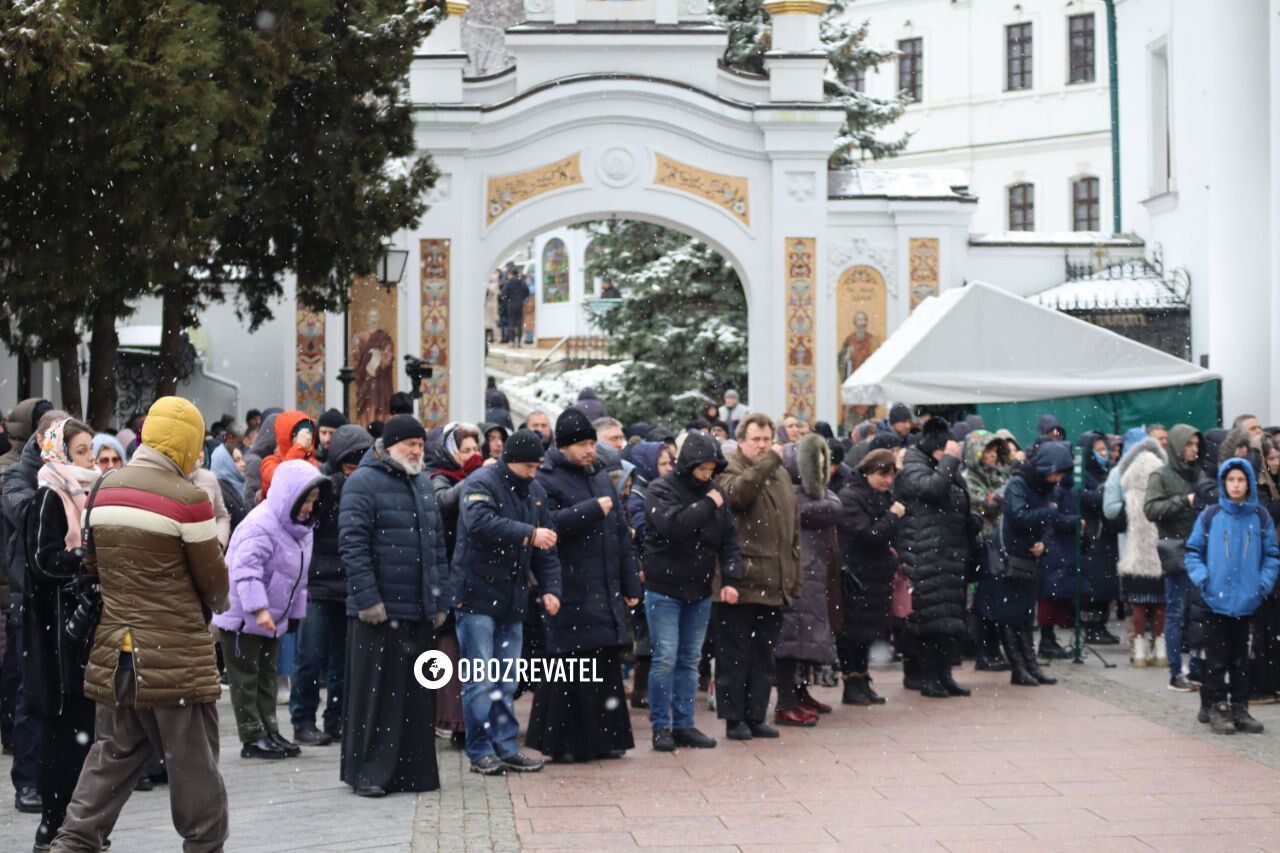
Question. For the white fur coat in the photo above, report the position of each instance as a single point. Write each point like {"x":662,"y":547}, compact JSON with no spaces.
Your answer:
{"x":1139,"y":557}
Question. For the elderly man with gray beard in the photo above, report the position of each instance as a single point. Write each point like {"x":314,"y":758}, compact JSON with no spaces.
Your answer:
{"x":391,"y":542}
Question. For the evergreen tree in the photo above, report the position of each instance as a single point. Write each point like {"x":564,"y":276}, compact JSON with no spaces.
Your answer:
{"x":683,"y":321}
{"x":337,"y":173}
{"x":849,"y":59}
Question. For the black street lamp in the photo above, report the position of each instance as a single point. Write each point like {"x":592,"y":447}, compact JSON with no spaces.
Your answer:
{"x":390,"y":271}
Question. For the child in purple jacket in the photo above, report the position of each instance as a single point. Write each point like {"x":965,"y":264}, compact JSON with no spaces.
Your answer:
{"x":267,"y":559}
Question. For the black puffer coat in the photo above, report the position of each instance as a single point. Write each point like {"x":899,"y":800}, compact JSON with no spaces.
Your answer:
{"x":597,"y":565}
{"x":1100,"y":545}
{"x":936,"y":542}
{"x":391,"y":541}
{"x":868,"y":532}
{"x":688,"y":539}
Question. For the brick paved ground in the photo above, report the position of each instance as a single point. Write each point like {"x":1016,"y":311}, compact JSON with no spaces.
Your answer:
{"x":1108,"y":761}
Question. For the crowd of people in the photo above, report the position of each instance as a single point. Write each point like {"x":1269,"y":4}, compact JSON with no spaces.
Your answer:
{"x":741,"y":558}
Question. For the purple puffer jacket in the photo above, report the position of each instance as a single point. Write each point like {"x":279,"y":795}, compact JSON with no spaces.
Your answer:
{"x":269,"y":553}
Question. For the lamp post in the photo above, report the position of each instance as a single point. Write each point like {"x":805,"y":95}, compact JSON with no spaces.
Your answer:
{"x":390,"y":270}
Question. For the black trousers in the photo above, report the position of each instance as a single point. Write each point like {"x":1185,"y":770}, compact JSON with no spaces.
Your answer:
{"x":64,"y":744}
{"x":1226,"y":640}
{"x":745,"y":637}
{"x":854,"y":657}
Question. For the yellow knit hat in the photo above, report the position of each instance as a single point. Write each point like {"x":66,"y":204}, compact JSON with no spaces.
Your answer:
{"x":175,"y":428}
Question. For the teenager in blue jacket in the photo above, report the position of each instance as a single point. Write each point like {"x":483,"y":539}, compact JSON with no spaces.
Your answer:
{"x":1233,"y":559}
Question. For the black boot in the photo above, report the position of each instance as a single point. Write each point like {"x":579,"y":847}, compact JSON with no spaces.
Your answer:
{"x":989,"y":658}
{"x":1011,"y":639}
{"x":1050,"y":648}
{"x":857,"y":691}
{"x":911,"y":672}
{"x":640,"y":687}
{"x":1029,"y":656}
{"x":953,"y":689}
{"x":876,"y":698}
{"x":931,"y":668}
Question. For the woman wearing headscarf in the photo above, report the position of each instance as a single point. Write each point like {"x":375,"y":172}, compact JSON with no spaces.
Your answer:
{"x":53,"y":665}
{"x":868,"y":531}
{"x":806,"y":636}
{"x":986,"y":473}
{"x":228,"y":467}
{"x":108,"y":453}
{"x":1099,"y":545}
{"x":1031,"y":515}
{"x":452,"y":452}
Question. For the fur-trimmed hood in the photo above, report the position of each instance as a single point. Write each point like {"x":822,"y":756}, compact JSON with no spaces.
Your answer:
{"x":808,"y":462}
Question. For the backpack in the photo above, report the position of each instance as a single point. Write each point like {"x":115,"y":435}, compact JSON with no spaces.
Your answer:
{"x":1264,"y":517}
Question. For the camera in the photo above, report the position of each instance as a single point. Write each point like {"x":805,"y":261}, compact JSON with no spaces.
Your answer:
{"x":84,"y":618}
{"x":419,"y":369}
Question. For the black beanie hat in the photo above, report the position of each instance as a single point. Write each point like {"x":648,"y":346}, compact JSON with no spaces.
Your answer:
{"x":524,"y":445}
{"x":332,"y":419}
{"x":934,"y":436}
{"x":573,"y":426}
{"x":400,"y":428}
{"x":899,"y":412}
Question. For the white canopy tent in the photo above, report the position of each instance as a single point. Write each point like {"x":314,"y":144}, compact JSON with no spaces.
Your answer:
{"x":980,"y":344}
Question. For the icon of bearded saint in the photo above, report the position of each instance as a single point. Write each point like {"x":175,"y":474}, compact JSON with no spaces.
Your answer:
{"x":375,"y":354}
{"x":858,"y":347}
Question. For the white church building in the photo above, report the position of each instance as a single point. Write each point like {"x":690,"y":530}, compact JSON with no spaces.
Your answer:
{"x":623,"y":108}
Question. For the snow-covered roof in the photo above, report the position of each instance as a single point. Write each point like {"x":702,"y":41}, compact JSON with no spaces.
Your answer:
{"x":898,"y":183}
{"x":1109,"y":293}
{"x":1055,"y":238}
{"x":981,"y":344}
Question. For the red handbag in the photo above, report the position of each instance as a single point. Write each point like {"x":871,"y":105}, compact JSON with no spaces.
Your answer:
{"x":900,"y":604}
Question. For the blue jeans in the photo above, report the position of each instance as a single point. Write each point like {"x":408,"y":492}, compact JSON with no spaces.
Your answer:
{"x":284,"y":662}
{"x":489,"y":708}
{"x":1177,"y":589}
{"x":676,"y":631}
{"x":322,"y":643}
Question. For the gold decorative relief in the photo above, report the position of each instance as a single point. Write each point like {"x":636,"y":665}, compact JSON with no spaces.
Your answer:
{"x":726,"y":191}
{"x":506,"y":191}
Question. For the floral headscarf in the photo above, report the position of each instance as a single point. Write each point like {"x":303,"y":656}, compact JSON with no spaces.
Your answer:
{"x":71,"y":482}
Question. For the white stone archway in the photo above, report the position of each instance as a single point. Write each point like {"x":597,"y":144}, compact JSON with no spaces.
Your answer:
{"x":630,"y":117}
{"x":624,"y":109}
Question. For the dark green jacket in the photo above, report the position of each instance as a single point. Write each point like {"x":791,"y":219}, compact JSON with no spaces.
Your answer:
{"x":1167,"y":503}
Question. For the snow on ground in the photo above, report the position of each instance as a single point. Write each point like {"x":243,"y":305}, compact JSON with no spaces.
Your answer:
{"x":555,"y":392}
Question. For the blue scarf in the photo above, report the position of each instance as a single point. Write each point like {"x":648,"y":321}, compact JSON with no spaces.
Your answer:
{"x":224,"y":467}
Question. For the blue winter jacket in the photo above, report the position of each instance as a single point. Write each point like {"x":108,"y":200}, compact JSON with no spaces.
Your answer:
{"x":493,"y":558}
{"x":597,"y":565}
{"x":391,"y":541}
{"x":645,"y":457}
{"x":1235,"y":562}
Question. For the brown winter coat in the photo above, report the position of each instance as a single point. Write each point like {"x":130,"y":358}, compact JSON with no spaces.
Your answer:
{"x":763,"y":504}
{"x":155,"y":548}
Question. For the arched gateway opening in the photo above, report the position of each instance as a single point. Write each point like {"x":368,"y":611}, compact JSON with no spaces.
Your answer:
{"x":624,"y":110}
{"x":653,"y":319}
